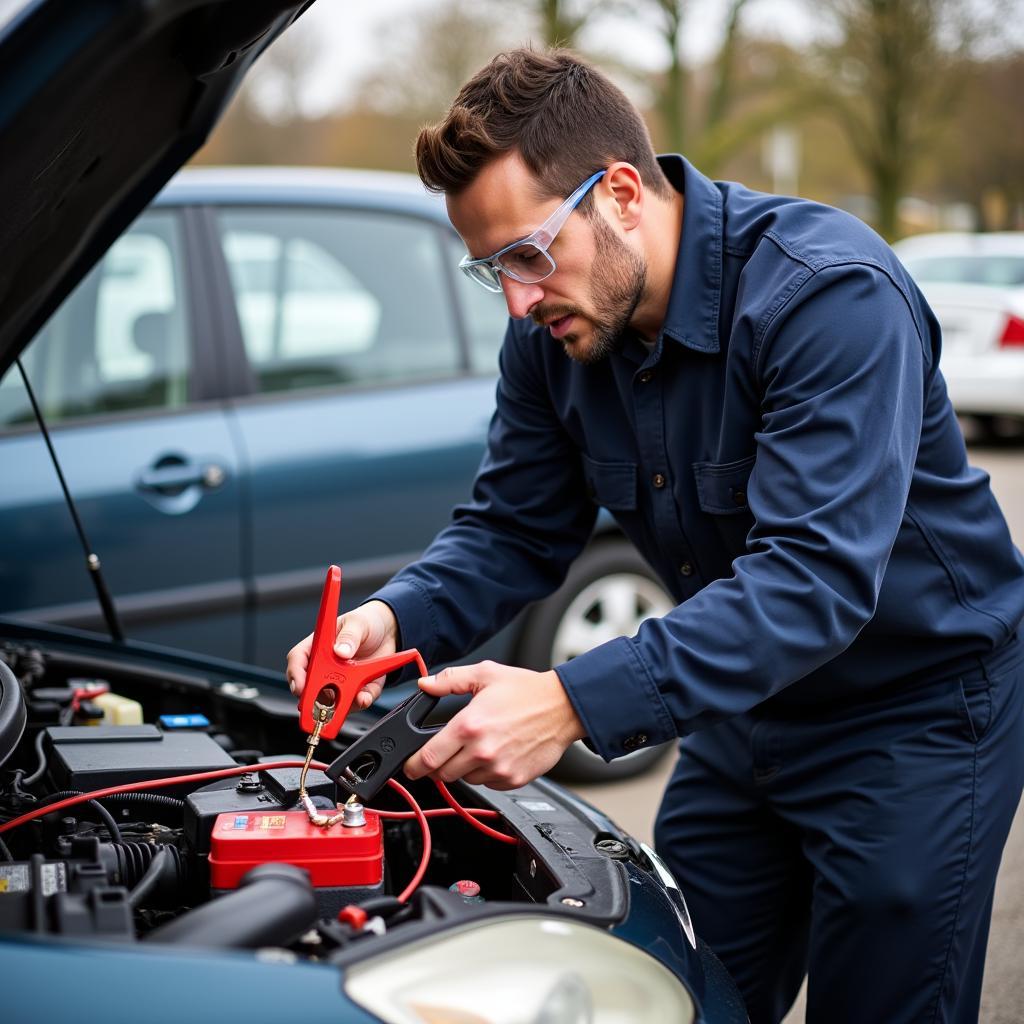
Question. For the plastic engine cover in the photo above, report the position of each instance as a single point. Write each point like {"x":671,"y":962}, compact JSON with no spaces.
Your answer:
{"x":340,"y":856}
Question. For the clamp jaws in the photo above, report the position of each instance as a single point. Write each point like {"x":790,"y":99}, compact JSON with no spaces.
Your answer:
{"x":366,"y":765}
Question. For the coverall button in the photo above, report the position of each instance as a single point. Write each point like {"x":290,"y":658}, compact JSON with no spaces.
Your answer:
{"x":659,"y":480}
{"x":634,"y":742}
{"x":739,"y":497}
{"x":686,"y":569}
{"x":645,"y":377}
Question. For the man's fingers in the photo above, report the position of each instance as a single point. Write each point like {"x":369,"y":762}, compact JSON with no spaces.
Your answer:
{"x":369,"y":693}
{"x":457,"y":679}
{"x":296,"y":674}
{"x":434,"y":754}
{"x":352,"y":633}
{"x":296,"y":665}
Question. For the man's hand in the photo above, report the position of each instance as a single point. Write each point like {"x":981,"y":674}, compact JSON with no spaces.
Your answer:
{"x":365,"y":632}
{"x":516,"y":727}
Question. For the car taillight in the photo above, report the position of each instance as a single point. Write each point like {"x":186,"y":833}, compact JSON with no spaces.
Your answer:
{"x":1013,"y":333}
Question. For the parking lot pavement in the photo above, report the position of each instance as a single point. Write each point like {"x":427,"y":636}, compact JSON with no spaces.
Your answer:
{"x":633,"y":803}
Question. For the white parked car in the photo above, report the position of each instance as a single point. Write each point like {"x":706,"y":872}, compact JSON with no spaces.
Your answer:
{"x":975,"y":285}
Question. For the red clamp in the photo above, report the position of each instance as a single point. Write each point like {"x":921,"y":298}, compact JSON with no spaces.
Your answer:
{"x":333,"y":682}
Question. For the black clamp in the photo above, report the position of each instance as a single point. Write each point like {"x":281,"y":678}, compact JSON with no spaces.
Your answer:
{"x":365,"y":767}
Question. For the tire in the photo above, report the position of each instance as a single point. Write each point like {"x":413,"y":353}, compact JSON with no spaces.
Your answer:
{"x":609,"y":591}
{"x":993,"y":429}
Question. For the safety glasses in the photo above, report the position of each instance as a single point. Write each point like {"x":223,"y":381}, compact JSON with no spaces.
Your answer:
{"x":527,"y":260}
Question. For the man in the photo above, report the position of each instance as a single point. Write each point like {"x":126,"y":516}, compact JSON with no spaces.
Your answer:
{"x":752,"y":389}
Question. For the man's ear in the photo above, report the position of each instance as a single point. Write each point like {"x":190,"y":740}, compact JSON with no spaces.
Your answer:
{"x":624,"y":186}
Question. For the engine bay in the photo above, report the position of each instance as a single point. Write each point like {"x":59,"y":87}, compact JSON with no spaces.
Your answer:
{"x":176,"y":819}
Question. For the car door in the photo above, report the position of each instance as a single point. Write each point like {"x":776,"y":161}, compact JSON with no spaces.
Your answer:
{"x":121,"y":372}
{"x":366,"y":420}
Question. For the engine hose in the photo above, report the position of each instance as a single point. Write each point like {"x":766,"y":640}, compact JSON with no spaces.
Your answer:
{"x":105,"y":816}
{"x":272,"y":905}
{"x":157,"y":872}
{"x":158,"y":799}
{"x":150,"y":877}
{"x":41,"y":758}
{"x":126,"y":863}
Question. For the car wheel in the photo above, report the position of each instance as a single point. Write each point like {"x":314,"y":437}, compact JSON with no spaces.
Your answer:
{"x":993,"y":429}
{"x":609,"y":591}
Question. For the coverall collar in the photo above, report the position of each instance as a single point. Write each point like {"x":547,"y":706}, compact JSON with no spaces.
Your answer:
{"x":695,"y":299}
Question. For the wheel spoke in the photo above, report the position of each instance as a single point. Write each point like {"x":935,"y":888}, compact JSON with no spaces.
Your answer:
{"x":577,"y":636}
{"x":609,"y":607}
{"x":618,"y":601}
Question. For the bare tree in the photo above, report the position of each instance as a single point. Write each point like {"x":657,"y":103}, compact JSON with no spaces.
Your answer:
{"x":556,"y":22}
{"x":696,"y":107}
{"x":892,"y":72}
{"x":671,"y":99}
{"x":278,"y":79}
{"x":982,"y":159}
{"x":432,"y":58}
{"x":560,"y":21}
{"x":723,"y":82}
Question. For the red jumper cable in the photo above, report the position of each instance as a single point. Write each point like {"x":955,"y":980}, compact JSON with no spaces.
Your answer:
{"x":221,"y":773}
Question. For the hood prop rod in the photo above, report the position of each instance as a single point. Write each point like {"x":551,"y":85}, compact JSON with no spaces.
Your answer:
{"x":92,"y":560}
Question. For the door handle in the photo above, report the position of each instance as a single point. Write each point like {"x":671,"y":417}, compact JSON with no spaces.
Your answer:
{"x":173,"y":478}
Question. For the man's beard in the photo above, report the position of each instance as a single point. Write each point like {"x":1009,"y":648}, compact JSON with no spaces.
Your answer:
{"x":617,"y":284}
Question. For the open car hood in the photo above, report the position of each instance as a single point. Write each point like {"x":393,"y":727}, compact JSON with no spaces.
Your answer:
{"x":101,"y":101}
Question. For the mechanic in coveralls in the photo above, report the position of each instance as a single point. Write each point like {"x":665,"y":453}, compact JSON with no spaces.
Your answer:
{"x":752,"y":389}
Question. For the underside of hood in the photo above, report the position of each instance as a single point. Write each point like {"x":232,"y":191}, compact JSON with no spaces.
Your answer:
{"x":101,"y":101}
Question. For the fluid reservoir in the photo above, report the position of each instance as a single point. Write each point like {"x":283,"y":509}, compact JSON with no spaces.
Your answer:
{"x":118,"y":710}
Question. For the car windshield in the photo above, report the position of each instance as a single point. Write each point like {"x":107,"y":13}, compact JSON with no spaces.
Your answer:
{"x":998,"y":271}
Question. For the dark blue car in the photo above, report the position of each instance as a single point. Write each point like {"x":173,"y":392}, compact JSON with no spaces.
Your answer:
{"x":151,"y":861}
{"x":271,"y":370}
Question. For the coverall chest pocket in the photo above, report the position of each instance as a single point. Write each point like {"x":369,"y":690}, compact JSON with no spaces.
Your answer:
{"x":722,"y":493}
{"x":612,"y":485}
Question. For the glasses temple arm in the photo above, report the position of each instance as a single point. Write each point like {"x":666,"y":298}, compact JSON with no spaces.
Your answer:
{"x":544,"y":235}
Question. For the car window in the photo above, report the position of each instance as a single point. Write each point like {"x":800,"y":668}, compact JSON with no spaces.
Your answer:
{"x":335,"y":297}
{"x":119,"y":342}
{"x":484,"y":313}
{"x":998,"y":271}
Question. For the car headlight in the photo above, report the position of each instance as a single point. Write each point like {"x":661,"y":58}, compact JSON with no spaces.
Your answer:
{"x":522,"y":970}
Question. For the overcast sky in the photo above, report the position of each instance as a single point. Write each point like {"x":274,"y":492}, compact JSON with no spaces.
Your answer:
{"x":354,"y":35}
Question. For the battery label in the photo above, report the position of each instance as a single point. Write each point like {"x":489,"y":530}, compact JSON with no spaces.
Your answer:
{"x":272,"y":821}
{"x":18,"y":878}
{"x":241,"y":820}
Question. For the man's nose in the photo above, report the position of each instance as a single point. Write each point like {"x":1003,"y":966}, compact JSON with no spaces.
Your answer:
{"x":520,"y":298}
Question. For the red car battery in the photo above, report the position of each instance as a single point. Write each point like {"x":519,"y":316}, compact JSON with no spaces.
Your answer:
{"x":337,"y":857}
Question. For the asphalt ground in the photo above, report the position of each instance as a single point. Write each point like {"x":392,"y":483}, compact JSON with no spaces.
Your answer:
{"x":633,"y":803}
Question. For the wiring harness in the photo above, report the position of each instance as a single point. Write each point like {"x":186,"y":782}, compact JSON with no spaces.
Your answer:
{"x":472,"y":815}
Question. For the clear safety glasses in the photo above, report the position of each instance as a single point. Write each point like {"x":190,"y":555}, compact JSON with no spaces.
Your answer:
{"x":527,"y":260}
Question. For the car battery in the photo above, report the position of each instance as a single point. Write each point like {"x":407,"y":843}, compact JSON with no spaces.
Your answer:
{"x":343,"y":861}
{"x":267,"y":791}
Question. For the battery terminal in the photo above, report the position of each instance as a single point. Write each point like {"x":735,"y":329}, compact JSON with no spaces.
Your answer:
{"x":352,"y":814}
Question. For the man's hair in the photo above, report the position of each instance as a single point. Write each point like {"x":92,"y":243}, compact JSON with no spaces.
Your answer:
{"x":565,"y":119}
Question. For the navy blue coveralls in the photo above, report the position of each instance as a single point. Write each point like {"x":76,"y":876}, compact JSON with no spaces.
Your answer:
{"x":842,"y":664}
